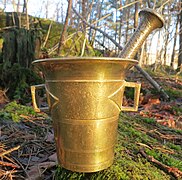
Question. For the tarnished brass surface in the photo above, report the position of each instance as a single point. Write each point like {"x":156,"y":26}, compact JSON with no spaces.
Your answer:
{"x":149,"y":20}
{"x":85,"y":98}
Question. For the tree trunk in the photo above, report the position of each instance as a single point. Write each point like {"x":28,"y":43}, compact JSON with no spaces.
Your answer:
{"x":120,"y":24}
{"x":62,"y":13}
{"x":62,"y":37}
{"x":98,"y":16}
{"x":148,"y":3}
{"x":165,"y":46}
{"x":141,"y":60}
{"x":116,"y":25}
{"x":47,"y":9}
{"x":84,"y":14}
{"x":157,"y":60}
{"x":180,"y":40}
{"x":4,"y":3}
{"x":48,"y":33}
{"x":135,"y":26}
{"x":152,"y":82}
{"x":18,"y":6}
{"x":127,"y":25}
{"x":57,"y":11}
{"x":25,"y":10}
{"x":24,"y":6}
{"x":136,"y":16}
{"x":174,"y":45}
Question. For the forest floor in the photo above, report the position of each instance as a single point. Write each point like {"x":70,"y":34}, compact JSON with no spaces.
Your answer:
{"x":149,"y":141}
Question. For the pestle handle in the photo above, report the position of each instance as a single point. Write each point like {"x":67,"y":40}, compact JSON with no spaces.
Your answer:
{"x":149,"y":20}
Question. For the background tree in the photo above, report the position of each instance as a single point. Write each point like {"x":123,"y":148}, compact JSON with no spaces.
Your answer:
{"x":180,"y":37}
{"x":118,"y":20}
{"x":62,"y":36}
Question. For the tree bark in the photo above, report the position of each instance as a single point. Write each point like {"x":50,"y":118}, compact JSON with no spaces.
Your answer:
{"x":4,"y":3}
{"x":135,"y":26}
{"x":62,"y":37}
{"x":152,"y":82}
{"x":62,"y":13}
{"x":116,"y":25}
{"x":98,"y":16}
{"x":25,"y":10}
{"x":148,"y":3}
{"x":174,"y":45}
{"x":87,"y":17}
{"x":84,"y":14}
{"x":47,"y":9}
{"x":158,"y":59}
{"x":136,"y":16}
{"x":120,"y":24}
{"x":180,"y":39}
{"x":127,"y":25}
{"x":24,"y":6}
{"x":48,"y":33}
{"x":57,"y":11}
{"x":167,"y":35}
{"x":141,"y":58}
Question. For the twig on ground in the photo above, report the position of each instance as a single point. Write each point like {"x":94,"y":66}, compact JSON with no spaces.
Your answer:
{"x":9,"y":151}
{"x":21,"y":166}
{"x":30,"y":156}
{"x":144,"y":145}
{"x":9,"y":164}
{"x":170,"y":170}
{"x":7,"y":174}
{"x":10,"y":160}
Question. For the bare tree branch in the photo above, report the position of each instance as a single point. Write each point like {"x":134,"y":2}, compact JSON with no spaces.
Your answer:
{"x":62,"y":37}
{"x":93,"y":27}
{"x":144,"y":73}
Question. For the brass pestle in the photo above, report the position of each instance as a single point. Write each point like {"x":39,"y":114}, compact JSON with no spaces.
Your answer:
{"x":149,"y":21}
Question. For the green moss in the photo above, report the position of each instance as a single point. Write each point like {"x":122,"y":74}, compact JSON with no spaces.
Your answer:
{"x":124,"y":168}
{"x":129,"y":93}
{"x":175,"y":147}
{"x":128,"y":163}
{"x":149,"y":120}
{"x":3,"y":19}
{"x":166,"y":158}
{"x":176,"y":110}
{"x":54,"y":32}
{"x":14,"y":111}
{"x":173,"y":93}
{"x":18,"y":80}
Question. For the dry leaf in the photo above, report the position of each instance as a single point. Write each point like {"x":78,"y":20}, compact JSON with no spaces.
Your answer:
{"x":53,"y":157}
{"x":154,"y":101}
{"x":171,"y":123}
{"x":36,"y":171}
{"x":50,"y":137}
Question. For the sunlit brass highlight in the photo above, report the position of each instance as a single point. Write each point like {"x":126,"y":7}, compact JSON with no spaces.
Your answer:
{"x":85,"y":98}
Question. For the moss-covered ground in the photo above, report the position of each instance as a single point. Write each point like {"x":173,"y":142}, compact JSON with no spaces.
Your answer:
{"x":136,"y":134}
{"x":145,"y":149}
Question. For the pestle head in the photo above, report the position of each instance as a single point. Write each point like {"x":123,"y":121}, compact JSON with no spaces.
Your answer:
{"x":155,"y":14}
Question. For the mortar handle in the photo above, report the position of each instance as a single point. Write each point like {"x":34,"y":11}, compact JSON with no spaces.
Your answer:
{"x":137,"y":87}
{"x":33,"y":92}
